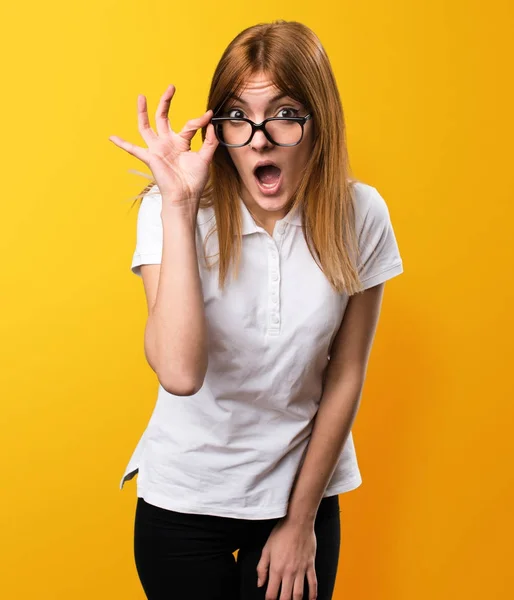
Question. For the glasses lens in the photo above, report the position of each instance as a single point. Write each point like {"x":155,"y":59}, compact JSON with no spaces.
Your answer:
{"x":284,"y":131}
{"x":237,"y":132}
{"x":234,"y":132}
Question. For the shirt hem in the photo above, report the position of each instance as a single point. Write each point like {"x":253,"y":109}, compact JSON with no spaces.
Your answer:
{"x":346,"y":486}
{"x":167,"y":503}
{"x":384,"y":275}
{"x":273,"y":512}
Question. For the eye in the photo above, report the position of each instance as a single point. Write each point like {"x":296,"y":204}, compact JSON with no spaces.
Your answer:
{"x":235,"y":110}
{"x":292,"y":110}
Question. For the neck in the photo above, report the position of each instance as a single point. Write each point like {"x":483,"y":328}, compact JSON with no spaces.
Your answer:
{"x":263,"y":218}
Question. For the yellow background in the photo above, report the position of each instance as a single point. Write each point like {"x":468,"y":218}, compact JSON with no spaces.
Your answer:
{"x":427,"y":92}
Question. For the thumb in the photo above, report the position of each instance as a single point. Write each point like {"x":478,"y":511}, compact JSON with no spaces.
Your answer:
{"x":209,"y":144}
{"x":262,"y":568}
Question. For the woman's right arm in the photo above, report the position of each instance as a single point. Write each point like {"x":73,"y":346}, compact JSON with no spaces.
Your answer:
{"x":175,"y":333}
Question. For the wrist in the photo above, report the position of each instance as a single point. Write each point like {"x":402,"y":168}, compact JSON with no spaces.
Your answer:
{"x":300,"y":519}
{"x":184,"y":211}
{"x":174,"y":201}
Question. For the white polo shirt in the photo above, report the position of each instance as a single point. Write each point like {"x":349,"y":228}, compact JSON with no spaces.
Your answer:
{"x":233,"y":448}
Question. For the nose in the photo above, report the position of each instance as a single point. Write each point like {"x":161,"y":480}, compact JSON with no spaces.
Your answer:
{"x":260,"y":141}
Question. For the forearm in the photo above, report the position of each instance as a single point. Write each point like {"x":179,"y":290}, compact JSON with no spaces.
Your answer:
{"x":176,"y":328}
{"x":332,"y":425}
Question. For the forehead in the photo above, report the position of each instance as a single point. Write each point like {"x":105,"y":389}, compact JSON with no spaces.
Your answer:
{"x":259,"y":88}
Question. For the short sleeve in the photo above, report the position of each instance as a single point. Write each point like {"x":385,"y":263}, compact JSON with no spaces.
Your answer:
{"x":149,"y":232}
{"x":380,"y":258}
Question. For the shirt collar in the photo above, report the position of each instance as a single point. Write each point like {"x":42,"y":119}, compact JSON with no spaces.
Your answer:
{"x":293,"y":217}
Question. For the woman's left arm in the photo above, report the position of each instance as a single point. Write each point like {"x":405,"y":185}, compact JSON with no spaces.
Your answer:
{"x":339,"y":403}
{"x":288,"y":556}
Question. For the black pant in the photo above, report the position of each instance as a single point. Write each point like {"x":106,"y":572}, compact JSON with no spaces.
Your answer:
{"x":183,"y":556}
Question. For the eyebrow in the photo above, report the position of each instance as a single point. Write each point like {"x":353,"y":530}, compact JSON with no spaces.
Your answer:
{"x":272,"y":101}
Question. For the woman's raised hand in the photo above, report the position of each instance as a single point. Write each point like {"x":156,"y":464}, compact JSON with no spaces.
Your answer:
{"x":180,"y":174}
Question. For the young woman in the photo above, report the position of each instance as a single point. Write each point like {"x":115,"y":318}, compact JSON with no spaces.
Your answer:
{"x":261,"y":354}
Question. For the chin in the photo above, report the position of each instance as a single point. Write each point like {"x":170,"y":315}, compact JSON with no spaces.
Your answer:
{"x":272,"y":203}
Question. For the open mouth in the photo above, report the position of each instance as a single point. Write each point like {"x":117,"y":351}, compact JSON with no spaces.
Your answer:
{"x":268,"y":178}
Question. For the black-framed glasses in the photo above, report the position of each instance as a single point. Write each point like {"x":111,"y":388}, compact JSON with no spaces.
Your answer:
{"x":281,"y":131}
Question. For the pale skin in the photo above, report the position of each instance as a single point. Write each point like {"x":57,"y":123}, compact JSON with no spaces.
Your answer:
{"x":257,"y":106}
{"x":288,"y":556}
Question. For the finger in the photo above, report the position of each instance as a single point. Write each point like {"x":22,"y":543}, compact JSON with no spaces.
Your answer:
{"x":273,"y":585}
{"x":313,"y":583}
{"x":162,"y":121}
{"x":136,"y":151}
{"x":299,"y":587}
{"x":209,"y":145}
{"x":287,"y":588}
{"x":147,"y":133}
{"x":193,"y":125}
{"x":262,"y":568}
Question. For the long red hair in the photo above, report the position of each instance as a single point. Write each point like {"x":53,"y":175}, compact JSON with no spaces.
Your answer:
{"x":292,"y":56}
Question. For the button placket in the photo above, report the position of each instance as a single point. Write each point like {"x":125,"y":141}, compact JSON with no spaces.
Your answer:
{"x":280,"y":232}
{"x":274,"y":286}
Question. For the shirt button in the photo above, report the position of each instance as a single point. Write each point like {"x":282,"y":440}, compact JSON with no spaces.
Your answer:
{"x":274,"y":276}
{"x":275,"y":299}
{"x":275,"y":319}
{"x":282,"y":228}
